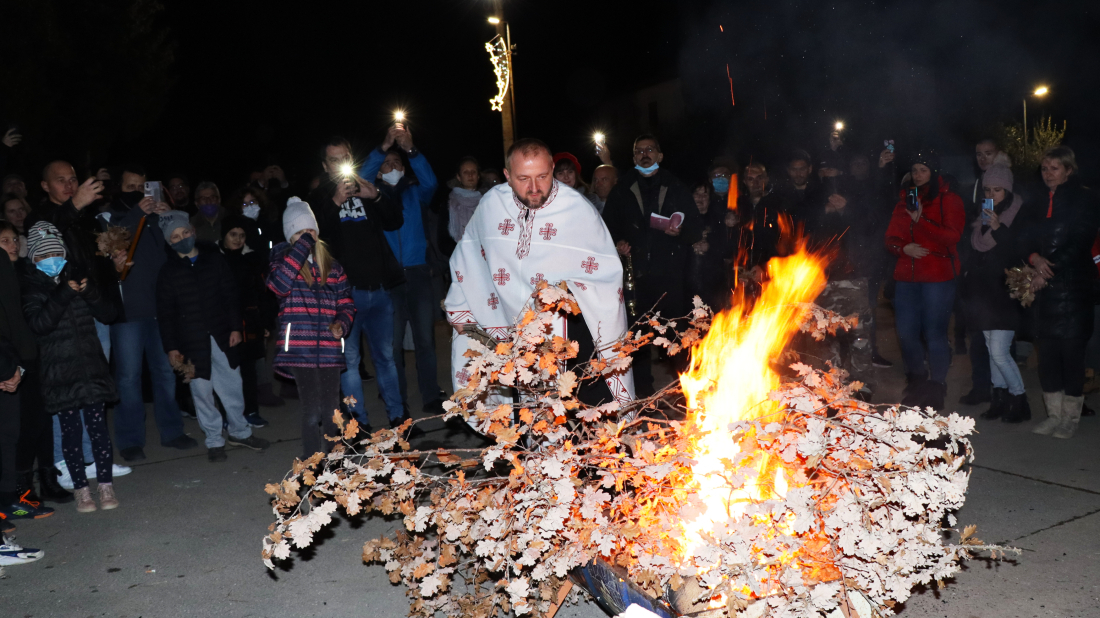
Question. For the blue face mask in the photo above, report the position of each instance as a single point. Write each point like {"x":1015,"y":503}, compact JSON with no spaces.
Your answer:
{"x":184,"y":246}
{"x":647,"y":170}
{"x":721,"y":185}
{"x":51,"y":266}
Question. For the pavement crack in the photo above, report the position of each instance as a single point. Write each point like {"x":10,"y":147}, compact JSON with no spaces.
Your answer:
{"x":1037,"y":480}
{"x":1055,"y":525}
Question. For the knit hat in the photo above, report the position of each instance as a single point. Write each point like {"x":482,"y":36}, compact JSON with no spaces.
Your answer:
{"x":234,"y":222}
{"x":928,"y":158}
{"x":173,"y":220}
{"x":572,"y":159}
{"x":998,"y":176}
{"x":297,"y":217}
{"x":44,"y":239}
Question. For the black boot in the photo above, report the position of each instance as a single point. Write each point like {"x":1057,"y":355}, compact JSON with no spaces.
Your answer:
{"x":975,"y":396}
{"x":414,"y":432}
{"x":24,"y":486}
{"x":913,"y":382}
{"x":998,"y":404}
{"x":52,"y":491}
{"x":1018,"y":409}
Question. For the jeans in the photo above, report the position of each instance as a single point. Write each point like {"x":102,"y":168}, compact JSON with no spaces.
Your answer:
{"x":317,"y":390}
{"x":414,"y":303}
{"x":924,"y":309}
{"x":226,"y":382}
{"x":1002,"y":366}
{"x":374,"y":316}
{"x":95,"y":424}
{"x":104,"y":333}
{"x":980,"y":361}
{"x":129,"y":342}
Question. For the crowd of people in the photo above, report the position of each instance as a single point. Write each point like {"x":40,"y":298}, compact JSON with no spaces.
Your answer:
{"x":116,"y":282}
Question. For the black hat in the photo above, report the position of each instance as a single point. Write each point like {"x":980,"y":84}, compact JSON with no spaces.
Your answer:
{"x":928,"y":158}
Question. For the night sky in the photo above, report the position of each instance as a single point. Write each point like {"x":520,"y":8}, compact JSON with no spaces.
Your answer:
{"x":252,"y":79}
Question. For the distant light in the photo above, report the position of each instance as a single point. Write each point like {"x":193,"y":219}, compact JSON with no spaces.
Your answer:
{"x":598,"y":137}
{"x":839,"y":125}
{"x":720,"y":28}
{"x":347,"y":170}
{"x":399,"y":116}
{"x":1041,"y":91}
{"x":494,"y":20}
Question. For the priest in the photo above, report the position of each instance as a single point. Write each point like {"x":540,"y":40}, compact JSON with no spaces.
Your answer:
{"x":536,"y":229}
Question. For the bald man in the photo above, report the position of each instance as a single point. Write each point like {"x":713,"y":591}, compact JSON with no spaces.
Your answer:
{"x":604,"y":178}
{"x":66,"y":207}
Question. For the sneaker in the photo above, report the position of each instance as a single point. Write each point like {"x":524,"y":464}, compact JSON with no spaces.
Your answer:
{"x":182,"y":442}
{"x":84,"y":502}
{"x":215,"y":454}
{"x":107,"y":498}
{"x":64,"y":479}
{"x":189,"y":414}
{"x":11,"y":553}
{"x":878,"y":361}
{"x":134,"y":453}
{"x":255,"y":420}
{"x":252,"y":442}
{"x":25,"y":509}
{"x":116,"y":470}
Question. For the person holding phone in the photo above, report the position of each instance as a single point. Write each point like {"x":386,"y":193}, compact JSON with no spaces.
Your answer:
{"x":926,"y":225}
{"x":988,"y":306}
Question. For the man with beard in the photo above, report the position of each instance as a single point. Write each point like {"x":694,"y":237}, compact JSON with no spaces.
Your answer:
{"x":529,"y":230}
{"x":137,"y":335}
{"x":636,"y":215}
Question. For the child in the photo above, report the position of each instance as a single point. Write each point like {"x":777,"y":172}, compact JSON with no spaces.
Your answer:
{"x":200,"y":323}
{"x":315,"y":311}
{"x":76,"y":381}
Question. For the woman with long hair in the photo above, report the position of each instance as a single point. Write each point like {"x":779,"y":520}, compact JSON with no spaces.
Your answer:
{"x":315,"y":312}
{"x":926,"y":225}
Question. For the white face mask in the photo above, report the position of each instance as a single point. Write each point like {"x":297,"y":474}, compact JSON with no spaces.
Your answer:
{"x":392,"y":176}
{"x":251,"y":211}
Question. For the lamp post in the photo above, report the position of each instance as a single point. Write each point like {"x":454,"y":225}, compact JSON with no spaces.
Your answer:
{"x":1041,"y":91}
{"x":500,"y":54}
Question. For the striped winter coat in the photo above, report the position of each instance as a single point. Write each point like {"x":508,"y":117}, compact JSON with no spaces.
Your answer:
{"x":306,"y":311}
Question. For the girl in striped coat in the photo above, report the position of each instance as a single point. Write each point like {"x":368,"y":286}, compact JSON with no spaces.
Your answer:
{"x":315,"y":312}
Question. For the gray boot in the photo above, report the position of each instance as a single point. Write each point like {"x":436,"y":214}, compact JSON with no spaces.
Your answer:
{"x":1071,"y":416}
{"x":1053,"y":403}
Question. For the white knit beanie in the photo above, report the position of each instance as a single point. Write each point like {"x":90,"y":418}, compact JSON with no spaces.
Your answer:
{"x":297,"y":217}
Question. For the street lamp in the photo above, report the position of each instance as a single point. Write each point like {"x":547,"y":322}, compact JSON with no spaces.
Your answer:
{"x":1041,"y":91}
{"x":500,"y":54}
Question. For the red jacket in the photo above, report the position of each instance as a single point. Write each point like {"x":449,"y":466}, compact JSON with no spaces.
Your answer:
{"x":938,"y":229}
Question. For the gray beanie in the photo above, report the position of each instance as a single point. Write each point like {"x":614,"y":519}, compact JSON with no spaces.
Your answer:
{"x":297,"y":217}
{"x":998,"y":176}
{"x":43,"y":239}
{"x":171,"y":221}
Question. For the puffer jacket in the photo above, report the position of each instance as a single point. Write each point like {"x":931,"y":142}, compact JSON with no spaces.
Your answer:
{"x":1063,"y":309}
{"x":938,"y":229}
{"x":306,"y":310}
{"x":74,"y":370}
{"x":197,"y":301}
{"x":257,"y":305}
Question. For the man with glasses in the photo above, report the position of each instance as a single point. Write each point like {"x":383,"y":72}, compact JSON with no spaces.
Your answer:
{"x":639,"y":214}
{"x":352,"y":215}
{"x":179,"y":189}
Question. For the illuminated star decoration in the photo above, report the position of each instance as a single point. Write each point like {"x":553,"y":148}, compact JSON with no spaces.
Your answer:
{"x":502,"y":67}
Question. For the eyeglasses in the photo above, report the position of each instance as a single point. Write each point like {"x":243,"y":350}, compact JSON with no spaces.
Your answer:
{"x":643,"y":151}
{"x":248,"y":204}
{"x":178,"y":185}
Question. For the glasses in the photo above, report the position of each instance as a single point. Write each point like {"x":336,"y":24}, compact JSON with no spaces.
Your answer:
{"x":644,"y":151}
{"x":720,"y":175}
{"x":248,"y":204}
{"x":178,"y":185}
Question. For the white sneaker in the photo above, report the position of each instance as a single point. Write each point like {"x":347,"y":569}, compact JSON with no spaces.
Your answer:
{"x":66,"y":480}
{"x":11,"y":553}
{"x":116,"y":470}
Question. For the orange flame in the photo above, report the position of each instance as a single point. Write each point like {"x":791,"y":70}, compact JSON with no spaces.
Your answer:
{"x":731,"y":198}
{"x":729,"y":380}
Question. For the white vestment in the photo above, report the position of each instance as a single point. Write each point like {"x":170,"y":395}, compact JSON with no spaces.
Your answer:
{"x":508,"y":248}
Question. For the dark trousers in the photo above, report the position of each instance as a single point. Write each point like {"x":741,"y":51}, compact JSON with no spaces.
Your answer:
{"x":923,"y":311}
{"x":95,"y":421}
{"x":250,"y":385}
{"x":1062,"y":365}
{"x":35,"y":425}
{"x":9,"y":436}
{"x":414,"y":303}
{"x":319,"y":396}
{"x":980,"y":375}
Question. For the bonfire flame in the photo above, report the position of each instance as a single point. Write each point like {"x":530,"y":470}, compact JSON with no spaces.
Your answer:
{"x":729,"y":380}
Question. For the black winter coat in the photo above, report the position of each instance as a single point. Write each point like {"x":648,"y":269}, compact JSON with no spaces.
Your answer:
{"x":197,"y":301}
{"x":627,"y":213}
{"x":74,"y":369}
{"x":986,"y":303}
{"x":258,"y":305}
{"x":1063,"y":309}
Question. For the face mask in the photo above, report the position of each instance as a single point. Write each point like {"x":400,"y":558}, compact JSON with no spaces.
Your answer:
{"x":184,"y":246}
{"x":647,"y":170}
{"x":251,"y":211}
{"x":51,"y":266}
{"x":393,"y":176}
{"x":208,"y":210}
{"x":721,"y":185}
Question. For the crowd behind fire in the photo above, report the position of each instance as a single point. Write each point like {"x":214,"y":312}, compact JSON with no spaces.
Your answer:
{"x":192,"y":295}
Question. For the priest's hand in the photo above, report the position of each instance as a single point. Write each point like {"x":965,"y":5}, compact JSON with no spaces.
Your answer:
{"x":622,"y":247}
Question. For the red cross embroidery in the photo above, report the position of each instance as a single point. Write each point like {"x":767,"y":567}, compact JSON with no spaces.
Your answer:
{"x":463,"y":376}
{"x":502,"y":277}
{"x":483,"y":254}
{"x":493,"y":301}
{"x":458,"y":275}
{"x":590,"y":265}
{"x":620,"y":296}
{"x":506,"y":227}
{"x":580,"y":285}
{"x":548,"y":231}
{"x":535,"y":280}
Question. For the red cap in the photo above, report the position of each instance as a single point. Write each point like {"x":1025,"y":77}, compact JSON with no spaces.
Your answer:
{"x":566,"y":155}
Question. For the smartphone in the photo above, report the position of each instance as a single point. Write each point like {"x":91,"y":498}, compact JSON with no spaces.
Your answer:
{"x":912,"y":201}
{"x":155,"y":190}
{"x":987,"y":209}
{"x":889,"y":144}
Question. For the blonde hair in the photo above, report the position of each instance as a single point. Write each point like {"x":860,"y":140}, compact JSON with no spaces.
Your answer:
{"x":1064,"y":155}
{"x":322,"y":259}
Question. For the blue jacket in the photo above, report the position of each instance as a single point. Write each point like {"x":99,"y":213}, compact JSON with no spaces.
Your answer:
{"x":409,"y":243}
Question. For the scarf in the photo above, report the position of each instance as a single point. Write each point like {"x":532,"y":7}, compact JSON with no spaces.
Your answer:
{"x":981,"y":237}
{"x":461,"y":205}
